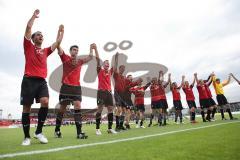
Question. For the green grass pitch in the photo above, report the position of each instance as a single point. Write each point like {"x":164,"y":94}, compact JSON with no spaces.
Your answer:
{"x":220,"y":142}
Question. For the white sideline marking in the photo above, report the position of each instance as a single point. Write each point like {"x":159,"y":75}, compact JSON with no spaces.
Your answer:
{"x":107,"y":142}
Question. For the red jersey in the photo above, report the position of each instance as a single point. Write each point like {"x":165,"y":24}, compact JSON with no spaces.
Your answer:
{"x":128,"y":85}
{"x":176,"y":94}
{"x":71,"y":72}
{"x":155,"y":92}
{"x":189,"y":93}
{"x":35,"y":59}
{"x":162,"y":92}
{"x":139,"y":94}
{"x":202,"y":92}
{"x":104,"y":79}
{"x":119,"y":82}
{"x":208,"y":91}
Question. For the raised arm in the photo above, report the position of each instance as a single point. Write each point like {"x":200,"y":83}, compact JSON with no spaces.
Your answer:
{"x":89,"y":57}
{"x":160,"y":77}
{"x":60,"y":50}
{"x":28,"y":31}
{"x":97,"y":58}
{"x":196,"y":78}
{"x":226,"y":82}
{"x":115,"y":66}
{"x":59,"y":38}
{"x":166,"y":84}
{"x":209,"y":80}
{"x":182,"y":83}
{"x":235,"y":78}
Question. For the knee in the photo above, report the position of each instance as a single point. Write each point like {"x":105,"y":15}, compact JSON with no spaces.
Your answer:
{"x":99,"y":110}
{"x":44,"y":102}
{"x":26,"y":109}
{"x":77,"y":105}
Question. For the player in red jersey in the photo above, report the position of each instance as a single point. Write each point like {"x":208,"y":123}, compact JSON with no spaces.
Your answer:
{"x":213,"y":105}
{"x":163,"y":99}
{"x":155,"y":101}
{"x":177,"y":99}
{"x":129,"y":83}
{"x":190,"y":98}
{"x":158,"y":99}
{"x":34,"y":85}
{"x":70,"y":92}
{"x":119,"y":94}
{"x":104,"y":93}
{"x":139,"y":92}
{"x":203,"y":98}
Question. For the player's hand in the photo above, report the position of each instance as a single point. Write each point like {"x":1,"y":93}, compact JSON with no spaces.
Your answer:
{"x":183,"y":77}
{"x":36,"y":13}
{"x":230,"y":74}
{"x":195,"y":74}
{"x":169,"y":74}
{"x":61,"y":28}
{"x":160,"y":72}
{"x":94,"y":46}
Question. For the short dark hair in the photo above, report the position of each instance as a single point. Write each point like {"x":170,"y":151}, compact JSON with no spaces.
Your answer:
{"x":33,"y":35}
{"x":73,"y":46}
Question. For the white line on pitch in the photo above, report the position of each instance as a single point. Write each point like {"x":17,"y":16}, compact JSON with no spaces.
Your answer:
{"x":107,"y":142}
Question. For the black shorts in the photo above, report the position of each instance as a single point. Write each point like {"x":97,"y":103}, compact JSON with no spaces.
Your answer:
{"x":104,"y":98}
{"x":33,"y":88}
{"x":140,"y":108}
{"x":191,"y":104}
{"x":204,"y":103}
{"x":155,"y":104}
{"x":212,"y":102}
{"x":128,"y":100}
{"x":221,"y":99}
{"x":69,"y":93}
{"x":120,"y":99}
{"x":163,"y":104}
{"x":177,"y":104}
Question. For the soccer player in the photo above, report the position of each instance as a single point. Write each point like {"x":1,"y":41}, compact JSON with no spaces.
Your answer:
{"x":163,"y":98}
{"x":70,"y":92}
{"x":221,"y":99}
{"x":188,"y":90}
{"x":119,"y":94}
{"x":203,"y":98}
{"x":34,"y":85}
{"x":238,"y":81}
{"x":139,"y":92}
{"x":129,"y":83}
{"x":213,"y":105}
{"x":104,"y":93}
{"x":155,"y":98}
{"x":158,"y":103}
{"x":177,"y":99}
